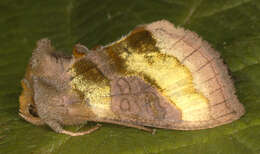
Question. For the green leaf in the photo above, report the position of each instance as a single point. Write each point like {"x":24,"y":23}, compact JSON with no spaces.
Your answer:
{"x":231,"y":26}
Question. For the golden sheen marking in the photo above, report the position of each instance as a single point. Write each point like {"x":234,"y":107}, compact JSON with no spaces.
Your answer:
{"x":90,"y":82}
{"x":137,"y":55}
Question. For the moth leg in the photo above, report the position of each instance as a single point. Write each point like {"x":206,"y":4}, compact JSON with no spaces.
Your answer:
{"x":31,"y":119}
{"x":82,"y":133}
{"x":153,"y":131}
{"x":58,"y":128}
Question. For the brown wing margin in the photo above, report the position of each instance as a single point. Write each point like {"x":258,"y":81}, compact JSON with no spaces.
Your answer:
{"x":137,"y":101}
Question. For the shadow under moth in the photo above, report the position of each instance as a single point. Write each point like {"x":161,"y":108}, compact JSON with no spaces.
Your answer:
{"x":157,"y":76}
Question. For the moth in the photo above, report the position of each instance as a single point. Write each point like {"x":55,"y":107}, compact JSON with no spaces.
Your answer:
{"x":158,"y":76}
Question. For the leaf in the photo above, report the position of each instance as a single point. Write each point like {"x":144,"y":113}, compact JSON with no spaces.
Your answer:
{"x":232,"y":27}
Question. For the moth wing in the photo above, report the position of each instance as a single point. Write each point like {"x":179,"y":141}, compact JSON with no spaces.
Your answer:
{"x":208,"y":101}
{"x":210,"y":75}
{"x":137,"y":101}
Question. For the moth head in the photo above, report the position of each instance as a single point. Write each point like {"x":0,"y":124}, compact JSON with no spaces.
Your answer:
{"x":27,"y":109}
{"x":48,"y":63}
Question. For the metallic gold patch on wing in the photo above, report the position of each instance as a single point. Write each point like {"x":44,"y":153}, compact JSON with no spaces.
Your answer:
{"x":137,"y":55}
{"x":91,"y":83}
